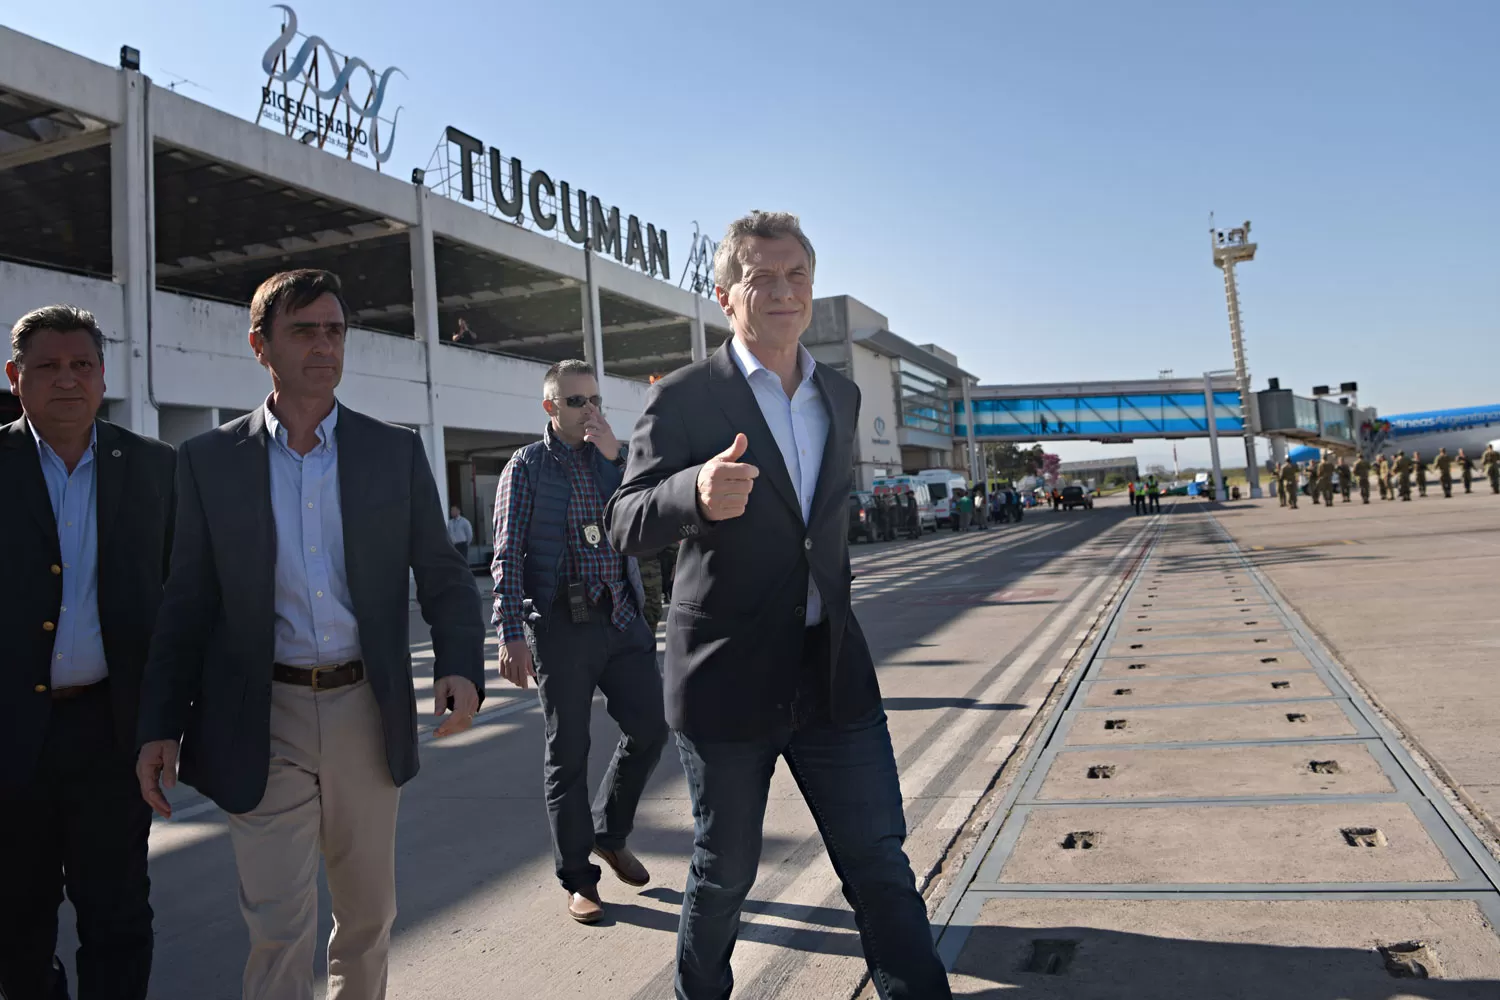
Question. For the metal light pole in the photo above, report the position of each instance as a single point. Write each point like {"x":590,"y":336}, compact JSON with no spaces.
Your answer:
{"x":1231,"y":246}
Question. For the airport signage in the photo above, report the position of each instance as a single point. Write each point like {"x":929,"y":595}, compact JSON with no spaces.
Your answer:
{"x":533,"y":198}
{"x":295,"y":98}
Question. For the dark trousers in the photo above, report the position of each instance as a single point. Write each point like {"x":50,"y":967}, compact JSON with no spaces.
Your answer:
{"x":572,"y":660}
{"x":1154,"y":501}
{"x":847,"y":775}
{"x":78,"y":826}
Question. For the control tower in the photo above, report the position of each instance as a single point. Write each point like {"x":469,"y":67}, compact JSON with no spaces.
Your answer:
{"x":1230,"y":247}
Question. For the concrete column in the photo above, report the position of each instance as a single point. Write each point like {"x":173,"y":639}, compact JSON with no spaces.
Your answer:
{"x":1211,"y":415}
{"x":974,"y":473}
{"x":594,"y":338}
{"x":698,"y":336}
{"x":178,"y":424}
{"x":133,"y":246}
{"x":425,"y":313}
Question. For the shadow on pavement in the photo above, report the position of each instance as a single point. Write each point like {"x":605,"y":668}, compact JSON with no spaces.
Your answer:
{"x":918,"y":704}
{"x":474,"y":816}
{"x":1111,"y":965}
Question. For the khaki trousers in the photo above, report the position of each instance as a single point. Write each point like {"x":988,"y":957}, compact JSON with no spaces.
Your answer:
{"x":329,"y":788}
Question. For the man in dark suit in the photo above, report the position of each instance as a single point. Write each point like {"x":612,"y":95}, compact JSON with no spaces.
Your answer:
{"x":87,"y":509}
{"x":748,"y":458}
{"x":282,"y":658}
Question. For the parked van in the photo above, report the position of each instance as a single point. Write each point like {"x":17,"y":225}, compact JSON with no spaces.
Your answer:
{"x":901,"y":485}
{"x":941,"y":483}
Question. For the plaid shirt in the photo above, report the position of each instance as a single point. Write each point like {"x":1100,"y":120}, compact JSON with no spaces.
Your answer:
{"x":600,"y":568}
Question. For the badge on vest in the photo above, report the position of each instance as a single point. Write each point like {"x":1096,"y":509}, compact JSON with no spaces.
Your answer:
{"x":592,"y":535}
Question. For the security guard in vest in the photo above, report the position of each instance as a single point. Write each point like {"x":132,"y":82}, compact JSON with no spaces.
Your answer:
{"x":568,"y":608}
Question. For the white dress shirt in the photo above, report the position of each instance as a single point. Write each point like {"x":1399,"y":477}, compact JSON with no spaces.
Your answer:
{"x":800,"y":427}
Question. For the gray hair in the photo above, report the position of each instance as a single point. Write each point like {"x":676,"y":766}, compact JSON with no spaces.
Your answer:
{"x":59,"y":318}
{"x":729,"y":257}
{"x":555,"y":375}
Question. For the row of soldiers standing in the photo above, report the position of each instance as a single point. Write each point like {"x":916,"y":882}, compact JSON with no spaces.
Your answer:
{"x":1393,"y":477}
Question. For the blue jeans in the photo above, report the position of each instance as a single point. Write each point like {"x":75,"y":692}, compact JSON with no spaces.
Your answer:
{"x":847,"y":774}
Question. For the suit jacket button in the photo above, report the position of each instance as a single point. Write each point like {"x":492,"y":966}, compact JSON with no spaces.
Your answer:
{"x":40,"y":689}
{"x":48,"y":626}
{"x":56,"y":570}
{"x":807,"y":543}
{"x":801,"y":612}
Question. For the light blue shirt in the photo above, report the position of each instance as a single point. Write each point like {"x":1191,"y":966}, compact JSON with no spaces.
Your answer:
{"x":78,"y":642}
{"x":800,"y":427}
{"x":315,"y":621}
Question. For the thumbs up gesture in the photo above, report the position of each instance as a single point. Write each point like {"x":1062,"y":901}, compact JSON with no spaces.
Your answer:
{"x":724,"y":483}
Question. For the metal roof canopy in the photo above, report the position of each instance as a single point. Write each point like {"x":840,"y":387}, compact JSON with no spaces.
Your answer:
{"x":1128,"y":387}
{"x":54,"y":186}
{"x":221,"y":230}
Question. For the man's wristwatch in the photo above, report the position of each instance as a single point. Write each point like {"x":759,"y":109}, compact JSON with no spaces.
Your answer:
{"x":619,"y":459}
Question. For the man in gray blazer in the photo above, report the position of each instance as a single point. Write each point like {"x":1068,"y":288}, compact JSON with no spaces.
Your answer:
{"x":281,"y":659}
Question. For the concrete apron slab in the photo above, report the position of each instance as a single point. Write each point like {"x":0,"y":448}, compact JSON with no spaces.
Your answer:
{"x":1217,"y":845}
{"x":1286,"y":685}
{"x":1145,"y":623}
{"x":1133,"y":665}
{"x":1208,"y":724}
{"x":1343,"y":768}
{"x":1138,"y":949}
{"x":1134,"y":642}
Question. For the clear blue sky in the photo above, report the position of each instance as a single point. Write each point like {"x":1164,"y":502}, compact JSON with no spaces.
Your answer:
{"x":1028,"y":184}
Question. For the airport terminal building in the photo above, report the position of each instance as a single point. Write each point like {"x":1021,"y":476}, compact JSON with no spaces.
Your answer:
{"x":161,"y":215}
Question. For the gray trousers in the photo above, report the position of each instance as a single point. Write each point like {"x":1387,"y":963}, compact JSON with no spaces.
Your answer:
{"x":572,"y":660}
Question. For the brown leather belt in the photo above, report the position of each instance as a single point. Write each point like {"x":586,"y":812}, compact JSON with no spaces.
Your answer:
{"x":69,"y":693}
{"x":324,"y":678}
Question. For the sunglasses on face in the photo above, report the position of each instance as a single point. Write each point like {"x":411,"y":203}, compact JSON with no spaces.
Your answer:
{"x":579,"y":402}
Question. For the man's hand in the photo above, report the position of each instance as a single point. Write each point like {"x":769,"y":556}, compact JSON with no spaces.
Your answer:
{"x":515,"y":663}
{"x":724,"y":483}
{"x":154,"y":768}
{"x":597,"y":433}
{"x":465,"y":704}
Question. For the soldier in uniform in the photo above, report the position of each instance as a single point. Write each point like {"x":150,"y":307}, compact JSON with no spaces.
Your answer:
{"x":1289,"y":483}
{"x":1281,"y":483}
{"x":1420,"y":468}
{"x":1444,"y":463}
{"x":1362,"y":473}
{"x":1403,"y":474}
{"x":1466,"y":466}
{"x":1490,"y":462}
{"x":1325,"y":480}
{"x":1383,"y":477}
{"x":1346,"y":477}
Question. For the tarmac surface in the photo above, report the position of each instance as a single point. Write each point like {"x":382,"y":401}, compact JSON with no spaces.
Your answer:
{"x":1258,"y":784}
{"x":1142,"y":757}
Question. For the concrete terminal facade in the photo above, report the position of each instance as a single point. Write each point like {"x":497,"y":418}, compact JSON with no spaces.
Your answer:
{"x":161,"y":215}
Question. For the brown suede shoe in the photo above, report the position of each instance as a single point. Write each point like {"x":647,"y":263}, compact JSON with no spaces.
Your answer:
{"x":626,"y":866}
{"x":585,"y":907}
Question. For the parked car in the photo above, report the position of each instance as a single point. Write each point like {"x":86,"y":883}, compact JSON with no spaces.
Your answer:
{"x":862,"y":517}
{"x":1076,"y":496}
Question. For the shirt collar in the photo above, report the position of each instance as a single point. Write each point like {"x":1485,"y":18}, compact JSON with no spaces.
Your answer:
{"x":278,"y":431}
{"x":40,"y":443}
{"x":749,"y":364}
